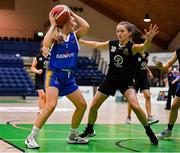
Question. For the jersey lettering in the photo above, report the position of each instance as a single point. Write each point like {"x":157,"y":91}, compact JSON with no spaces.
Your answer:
{"x":64,"y":55}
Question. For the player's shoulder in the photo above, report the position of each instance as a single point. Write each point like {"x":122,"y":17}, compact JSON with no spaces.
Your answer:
{"x":113,"y":42}
{"x":40,"y":57}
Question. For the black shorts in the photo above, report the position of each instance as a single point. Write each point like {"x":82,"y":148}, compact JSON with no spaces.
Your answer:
{"x":109,"y":86}
{"x":39,"y":83}
{"x":142,"y":84}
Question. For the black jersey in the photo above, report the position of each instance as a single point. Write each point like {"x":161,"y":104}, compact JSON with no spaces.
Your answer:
{"x":140,"y":63}
{"x":42,"y":63}
{"x":121,"y":62}
{"x":178,"y":56}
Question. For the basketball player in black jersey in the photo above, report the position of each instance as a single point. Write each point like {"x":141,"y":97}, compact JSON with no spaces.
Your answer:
{"x":120,"y":73}
{"x":141,"y":78}
{"x":38,"y":66}
{"x":176,"y":102}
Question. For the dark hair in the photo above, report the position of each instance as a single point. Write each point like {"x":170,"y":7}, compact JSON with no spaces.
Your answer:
{"x":137,"y":35}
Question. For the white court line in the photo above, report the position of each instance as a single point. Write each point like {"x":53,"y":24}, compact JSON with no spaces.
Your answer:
{"x":64,"y":139}
{"x":54,"y":139}
{"x":30,"y":109}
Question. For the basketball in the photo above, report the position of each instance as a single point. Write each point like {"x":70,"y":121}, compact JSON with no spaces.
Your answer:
{"x":63,"y":14}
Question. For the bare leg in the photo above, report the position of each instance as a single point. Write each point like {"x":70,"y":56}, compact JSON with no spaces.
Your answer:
{"x":51,"y":97}
{"x":78,"y":100}
{"x":147,"y":101}
{"x":174,"y":110}
{"x":41,"y":99}
{"x":128,"y":119}
{"x":51,"y":102}
{"x":130,"y":95}
{"x":98,"y":100}
{"x":129,"y":110}
{"x":172,"y":119}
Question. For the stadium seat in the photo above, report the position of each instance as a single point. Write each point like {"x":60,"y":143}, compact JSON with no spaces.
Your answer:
{"x":13,"y":77}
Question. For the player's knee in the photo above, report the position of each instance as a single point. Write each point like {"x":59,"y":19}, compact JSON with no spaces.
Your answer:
{"x":174,"y":107}
{"x":82,"y":106}
{"x":147,"y":96}
{"x":50,"y":107}
{"x":131,"y":98}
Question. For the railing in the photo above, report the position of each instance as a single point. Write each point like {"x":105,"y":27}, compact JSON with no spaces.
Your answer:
{"x":102,"y":65}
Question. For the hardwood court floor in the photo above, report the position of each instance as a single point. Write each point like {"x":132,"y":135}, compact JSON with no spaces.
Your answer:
{"x":113,"y":135}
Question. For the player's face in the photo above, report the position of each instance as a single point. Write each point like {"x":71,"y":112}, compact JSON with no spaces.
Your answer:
{"x":122,"y":33}
{"x":72,"y":24}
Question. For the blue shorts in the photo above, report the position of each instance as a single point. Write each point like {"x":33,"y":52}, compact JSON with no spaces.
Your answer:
{"x":178,"y":90}
{"x":62,"y":80}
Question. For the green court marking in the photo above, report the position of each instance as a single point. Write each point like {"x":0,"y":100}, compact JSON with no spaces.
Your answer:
{"x":109,"y":138}
{"x":11,"y":101}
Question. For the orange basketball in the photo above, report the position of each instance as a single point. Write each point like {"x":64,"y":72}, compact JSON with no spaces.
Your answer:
{"x":63,"y":14}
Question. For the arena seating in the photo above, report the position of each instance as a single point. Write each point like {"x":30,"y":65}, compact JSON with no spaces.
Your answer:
{"x":87,"y":73}
{"x":14,"y":80}
{"x":24,"y":48}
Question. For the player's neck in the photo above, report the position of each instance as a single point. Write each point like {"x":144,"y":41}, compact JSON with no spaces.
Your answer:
{"x":123,"y":43}
{"x":65,"y":32}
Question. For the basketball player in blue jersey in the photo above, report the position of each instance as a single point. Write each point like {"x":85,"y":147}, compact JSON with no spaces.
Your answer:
{"x":39,"y":66}
{"x":120,"y":73}
{"x":59,"y":77}
{"x":176,"y":102}
{"x":141,"y":78}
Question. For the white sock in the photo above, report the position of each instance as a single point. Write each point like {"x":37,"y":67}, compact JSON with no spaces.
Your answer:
{"x":74,"y":131}
{"x":35,"y":131}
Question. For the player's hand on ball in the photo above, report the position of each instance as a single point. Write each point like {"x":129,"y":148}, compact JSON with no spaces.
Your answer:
{"x":52,"y":18}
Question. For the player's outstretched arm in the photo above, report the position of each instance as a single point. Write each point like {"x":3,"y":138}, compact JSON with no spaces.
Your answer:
{"x":95,"y":44}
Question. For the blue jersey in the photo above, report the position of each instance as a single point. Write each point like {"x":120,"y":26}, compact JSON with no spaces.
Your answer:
{"x":64,"y":55}
{"x":178,"y":84}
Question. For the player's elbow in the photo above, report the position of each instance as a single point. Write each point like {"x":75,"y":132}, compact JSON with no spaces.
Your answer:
{"x":86,"y":28}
